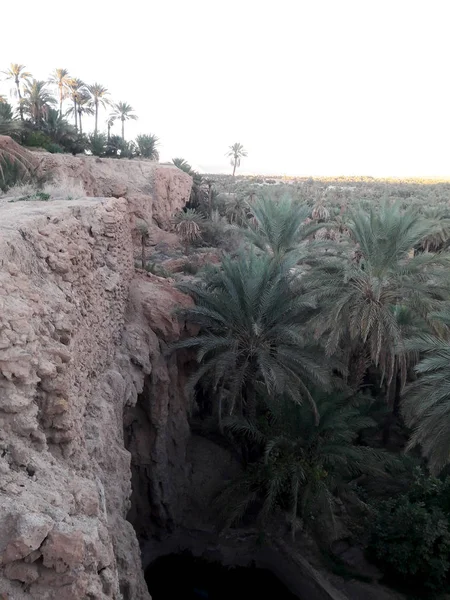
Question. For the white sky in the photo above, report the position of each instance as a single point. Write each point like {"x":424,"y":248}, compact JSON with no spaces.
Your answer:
{"x":312,"y":87}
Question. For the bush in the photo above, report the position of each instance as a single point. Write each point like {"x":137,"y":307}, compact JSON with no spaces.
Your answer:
{"x":146,"y":146}
{"x":410,"y":537}
{"x":98,"y":144}
{"x":12,"y":172}
{"x":37,"y":139}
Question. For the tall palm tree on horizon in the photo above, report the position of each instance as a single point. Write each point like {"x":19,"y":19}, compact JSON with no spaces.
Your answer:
{"x":18,"y":74}
{"x":76,"y":89}
{"x":99,"y":95}
{"x":60,"y":78}
{"x":236,"y":152}
{"x":124,"y":112}
{"x":83,"y":107}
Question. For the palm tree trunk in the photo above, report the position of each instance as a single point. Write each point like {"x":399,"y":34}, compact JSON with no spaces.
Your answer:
{"x":96,"y":117}
{"x":234,"y":166}
{"x":109,"y":132}
{"x":60,"y":99}
{"x":79,"y":120}
{"x":20,"y":99}
{"x":123,"y":128}
{"x":75,"y":112}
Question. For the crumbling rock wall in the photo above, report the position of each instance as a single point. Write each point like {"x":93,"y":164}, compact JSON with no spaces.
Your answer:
{"x":80,"y":332}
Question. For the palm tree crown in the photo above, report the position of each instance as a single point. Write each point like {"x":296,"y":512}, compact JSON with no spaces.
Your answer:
{"x":361,"y":283}
{"x":252,"y":330}
{"x":124,"y":112}
{"x":60,"y":78}
{"x":99,"y":95}
{"x":37,"y":100}
{"x":18,"y":74}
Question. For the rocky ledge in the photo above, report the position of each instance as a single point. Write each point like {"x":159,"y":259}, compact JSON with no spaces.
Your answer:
{"x":80,"y":331}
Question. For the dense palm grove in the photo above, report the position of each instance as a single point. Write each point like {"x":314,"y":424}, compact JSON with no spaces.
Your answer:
{"x":50,"y":114}
{"x":324,"y":362}
{"x":323,"y":342}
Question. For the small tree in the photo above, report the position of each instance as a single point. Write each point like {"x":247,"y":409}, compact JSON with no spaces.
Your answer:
{"x":187,"y":225}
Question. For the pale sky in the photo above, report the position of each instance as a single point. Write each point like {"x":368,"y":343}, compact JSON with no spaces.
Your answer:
{"x":309,"y":87}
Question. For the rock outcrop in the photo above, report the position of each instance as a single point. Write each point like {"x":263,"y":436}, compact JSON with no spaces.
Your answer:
{"x":81,"y":333}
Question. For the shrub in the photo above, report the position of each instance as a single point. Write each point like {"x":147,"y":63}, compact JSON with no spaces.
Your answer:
{"x":12,"y":172}
{"x":37,"y":139}
{"x":97,"y":144}
{"x":146,"y":146}
{"x":410,"y":537}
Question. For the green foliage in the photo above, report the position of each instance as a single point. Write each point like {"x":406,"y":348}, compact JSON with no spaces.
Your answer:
{"x":411,"y":537}
{"x":40,"y":196}
{"x":362,"y":280}
{"x":187,"y":225}
{"x":98,"y":144}
{"x":147,"y":146}
{"x":278,"y":227}
{"x":304,"y":466}
{"x":426,"y":406}
{"x":253,"y":330}
{"x":12,"y":172}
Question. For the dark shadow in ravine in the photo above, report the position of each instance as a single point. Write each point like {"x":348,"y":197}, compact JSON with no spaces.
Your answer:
{"x":183,"y":576}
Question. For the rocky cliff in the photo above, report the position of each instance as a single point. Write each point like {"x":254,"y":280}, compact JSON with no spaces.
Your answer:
{"x":81,"y":334}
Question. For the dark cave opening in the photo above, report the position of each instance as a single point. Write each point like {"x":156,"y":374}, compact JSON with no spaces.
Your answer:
{"x":184,"y":576}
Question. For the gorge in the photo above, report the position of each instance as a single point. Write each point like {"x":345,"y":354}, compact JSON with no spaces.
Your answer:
{"x":100,"y":473}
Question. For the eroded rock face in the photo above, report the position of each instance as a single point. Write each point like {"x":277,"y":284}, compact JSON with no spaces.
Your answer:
{"x":80,"y":333}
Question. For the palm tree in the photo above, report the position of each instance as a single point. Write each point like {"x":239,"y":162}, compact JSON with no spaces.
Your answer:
{"x":236,"y":152}
{"x":99,"y":95}
{"x":278,"y":227}
{"x":426,"y":403}
{"x":60,"y":78}
{"x":237,"y":210}
{"x":252,"y":333}
{"x":37,"y":100}
{"x":8,"y":122}
{"x":147,"y":145}
{"x":58,"y":128}
{"x":361,"y":285}
{"x":124,"y":112}
{"x":18,"y":74}
{"x":109,"y":123}
{"x":303,"y":467}
{"x":76,"y":89}
{"x":83,"y":107}
{"x":187,"y":225}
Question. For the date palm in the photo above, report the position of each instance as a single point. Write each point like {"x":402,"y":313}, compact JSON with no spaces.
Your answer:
{"x":19,"y":75}
{"x":372,"y":273}
{"x":148,"y":146}
{"x":99,"y":96}
{"x":252,"y":332}
{"x":124,"y":112}
{"x":187,"y":225}
{"x":37,"y":100}
{"x":278,"y":227}
{"x":83,"y":107}
{"x":76,"y":90}
{"x":60,"y":78}
{"x":236,"y":152}
{"x":426,"y":403}
{"x":304,"y":466}
{"x":110,"y":123}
